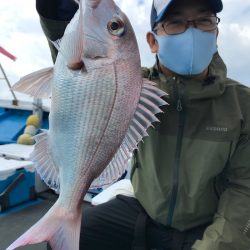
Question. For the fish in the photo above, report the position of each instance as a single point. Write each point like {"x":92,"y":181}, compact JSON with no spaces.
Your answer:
{"x":99,"y":114}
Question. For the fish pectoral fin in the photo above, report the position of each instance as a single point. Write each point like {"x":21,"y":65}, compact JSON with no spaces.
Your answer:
{"x":59,"y":227}
{"x":37,"y":84}
{"x":145,"y":114}
{"x":44,"y":163}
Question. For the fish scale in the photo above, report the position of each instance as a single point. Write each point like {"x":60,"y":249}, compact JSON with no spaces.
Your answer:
{"x":92,"y":116}
{"x":98,"y":115}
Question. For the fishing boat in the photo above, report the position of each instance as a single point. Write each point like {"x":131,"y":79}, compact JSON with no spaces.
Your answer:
{"x":23,"y":195}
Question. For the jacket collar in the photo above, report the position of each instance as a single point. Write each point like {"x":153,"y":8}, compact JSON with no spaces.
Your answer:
{"x":192,"y":89}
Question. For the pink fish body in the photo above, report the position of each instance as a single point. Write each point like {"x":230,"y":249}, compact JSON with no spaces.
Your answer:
{"x":98,"y":116}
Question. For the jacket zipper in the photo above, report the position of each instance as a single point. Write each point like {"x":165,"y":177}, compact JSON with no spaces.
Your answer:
{"x":173,"y":197}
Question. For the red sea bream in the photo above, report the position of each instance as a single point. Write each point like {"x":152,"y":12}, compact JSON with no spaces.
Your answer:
{"x":99,"y":114}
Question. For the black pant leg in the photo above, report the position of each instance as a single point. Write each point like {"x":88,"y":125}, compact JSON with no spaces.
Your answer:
{"x":192,"y":235}
{"x":159,"y":237}
{"x":110,"y":226}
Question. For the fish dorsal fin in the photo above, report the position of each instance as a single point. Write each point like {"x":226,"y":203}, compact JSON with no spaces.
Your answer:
{"x":43,"y":161}
{"x":37,"y":84}
{"x":147,"y":108}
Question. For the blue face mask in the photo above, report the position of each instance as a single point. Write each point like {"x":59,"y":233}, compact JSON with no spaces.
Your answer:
{"x":188,"y":53}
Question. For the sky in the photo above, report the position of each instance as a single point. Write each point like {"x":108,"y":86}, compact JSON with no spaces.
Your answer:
{"x":21,"y":34}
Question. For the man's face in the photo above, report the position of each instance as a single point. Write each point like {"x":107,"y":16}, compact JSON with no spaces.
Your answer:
{"x":185,"y":10}
{"x":181,"y":15}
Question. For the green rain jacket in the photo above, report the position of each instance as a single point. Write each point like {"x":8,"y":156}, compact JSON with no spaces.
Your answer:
{"x":194,"y":168}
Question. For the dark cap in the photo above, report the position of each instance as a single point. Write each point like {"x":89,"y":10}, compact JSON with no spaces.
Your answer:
{"x":160,"y":7}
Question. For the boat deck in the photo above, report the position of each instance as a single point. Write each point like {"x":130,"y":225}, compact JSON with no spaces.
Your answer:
{"x":16,"y":221}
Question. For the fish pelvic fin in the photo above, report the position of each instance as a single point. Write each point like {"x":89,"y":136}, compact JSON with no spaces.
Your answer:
{"x":44,"y":163}
{"x":59,"y":227}
{"x":37,"y":84}
{"x":71,"y":44}
{"x":151,"y":99}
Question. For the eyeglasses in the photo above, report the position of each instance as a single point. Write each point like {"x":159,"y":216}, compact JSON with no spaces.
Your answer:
{"x":174,"y":26}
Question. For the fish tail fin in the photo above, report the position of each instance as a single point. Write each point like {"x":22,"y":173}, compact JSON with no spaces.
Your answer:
{"x":58,"y":227}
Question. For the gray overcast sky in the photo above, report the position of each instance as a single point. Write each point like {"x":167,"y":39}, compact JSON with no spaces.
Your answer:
{"x":21,"y":34}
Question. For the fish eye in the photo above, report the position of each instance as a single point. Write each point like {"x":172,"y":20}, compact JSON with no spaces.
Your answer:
{"x":116,"y":26}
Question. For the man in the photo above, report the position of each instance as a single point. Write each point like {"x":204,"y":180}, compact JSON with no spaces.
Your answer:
{"x":191,"y":176}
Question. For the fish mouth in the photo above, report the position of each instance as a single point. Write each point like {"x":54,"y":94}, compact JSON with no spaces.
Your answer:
{"x":76,"y":66}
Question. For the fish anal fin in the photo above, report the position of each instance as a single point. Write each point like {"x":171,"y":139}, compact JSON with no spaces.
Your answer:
{"x":43,"y":161}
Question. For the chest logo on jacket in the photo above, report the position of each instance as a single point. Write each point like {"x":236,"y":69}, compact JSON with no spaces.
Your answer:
{"x":216,"y":129}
